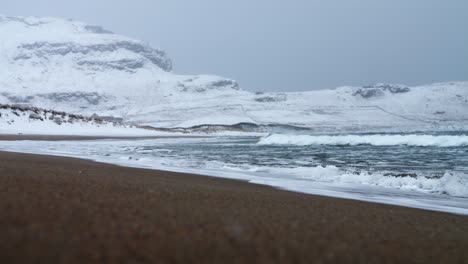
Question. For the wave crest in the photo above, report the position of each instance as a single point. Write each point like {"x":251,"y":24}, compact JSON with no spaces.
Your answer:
{"x":376,"y":140}
{"x":450,"y":183}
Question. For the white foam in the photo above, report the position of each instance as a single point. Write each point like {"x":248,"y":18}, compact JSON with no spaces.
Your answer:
{"x":376,"y":140}
{"x":455,"y":184}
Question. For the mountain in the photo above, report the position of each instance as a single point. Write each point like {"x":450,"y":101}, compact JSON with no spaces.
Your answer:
{"x":80,"y":68}
{"x":84,"y":69}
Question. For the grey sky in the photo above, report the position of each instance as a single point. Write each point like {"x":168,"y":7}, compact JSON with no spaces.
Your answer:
{"x":288,"y":45}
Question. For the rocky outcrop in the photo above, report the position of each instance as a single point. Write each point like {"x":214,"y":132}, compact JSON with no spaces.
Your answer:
{"x":270,"y":98}
{"x":380,"y":89}
{"x":58,"y":117}
{"x":199,"y":85}
{"x":82,"y":98}
{"x":44,"y":50}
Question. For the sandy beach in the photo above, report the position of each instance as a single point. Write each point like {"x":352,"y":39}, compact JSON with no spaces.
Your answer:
{"x":65,"y":210}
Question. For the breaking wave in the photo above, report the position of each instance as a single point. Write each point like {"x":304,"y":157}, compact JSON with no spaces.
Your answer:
{"x":450,"y":183}
{"x":455,"y":184}
{"x":376,"y":140}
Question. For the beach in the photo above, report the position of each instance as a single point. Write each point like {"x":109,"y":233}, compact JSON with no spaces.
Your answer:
{"x":66,"y":210}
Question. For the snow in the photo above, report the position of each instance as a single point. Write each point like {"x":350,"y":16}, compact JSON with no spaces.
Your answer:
{"x":34,"y":121}
{"x":17,"y":122}
{"x":70,"y":66}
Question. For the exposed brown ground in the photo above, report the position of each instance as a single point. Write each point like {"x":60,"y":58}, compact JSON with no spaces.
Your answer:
{"x":55,"y":209}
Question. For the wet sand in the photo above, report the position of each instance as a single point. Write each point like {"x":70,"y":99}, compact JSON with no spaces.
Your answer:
{"x":65,"y":210}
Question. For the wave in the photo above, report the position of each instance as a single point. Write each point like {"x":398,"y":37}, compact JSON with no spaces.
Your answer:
{"x":376,"y":140}
{"x":322,"y":180}
{"x":451,"y":183}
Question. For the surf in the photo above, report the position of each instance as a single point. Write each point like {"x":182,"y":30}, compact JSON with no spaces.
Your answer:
{"x":374,"y":140}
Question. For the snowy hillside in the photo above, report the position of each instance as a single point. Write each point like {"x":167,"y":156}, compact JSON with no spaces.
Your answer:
{"x":78,"y":68}
{"x":431,"y":107}
{"x":36,"y":121}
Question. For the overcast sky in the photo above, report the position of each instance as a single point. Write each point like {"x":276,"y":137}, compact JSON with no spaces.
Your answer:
{"x":291,"y":44}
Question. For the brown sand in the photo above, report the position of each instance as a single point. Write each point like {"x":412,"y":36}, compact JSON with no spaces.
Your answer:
{"x":55,"y":209}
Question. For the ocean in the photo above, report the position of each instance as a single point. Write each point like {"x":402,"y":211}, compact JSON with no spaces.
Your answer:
{"x":428,"y":171}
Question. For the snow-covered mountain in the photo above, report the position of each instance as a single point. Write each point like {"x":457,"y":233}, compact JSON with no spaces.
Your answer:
{"x":71,"y":66}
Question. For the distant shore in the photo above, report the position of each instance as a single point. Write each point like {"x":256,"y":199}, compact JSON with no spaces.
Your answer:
{"x":56,"y":209}
{"x":68,"y":137}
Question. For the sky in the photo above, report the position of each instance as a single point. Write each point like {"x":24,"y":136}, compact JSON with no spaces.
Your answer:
{"x":294,"y":45}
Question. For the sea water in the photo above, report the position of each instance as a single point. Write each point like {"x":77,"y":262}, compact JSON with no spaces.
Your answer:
{"x":418,"y":170}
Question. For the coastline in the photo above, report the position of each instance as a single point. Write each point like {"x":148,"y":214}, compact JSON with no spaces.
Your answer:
{"x":13,"y":137}
{"x":44,"y":145}
{"x":57,"y":209}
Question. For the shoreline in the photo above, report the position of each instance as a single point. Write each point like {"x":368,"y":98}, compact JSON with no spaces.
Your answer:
{"x":59,"y":209}
{"x":454,"y":205}
{"x":13,"y":137}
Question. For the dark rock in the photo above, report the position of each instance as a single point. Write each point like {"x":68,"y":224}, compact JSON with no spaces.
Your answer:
{"x":369,"y":92}
{"x":35,"y":117}
{"x":72,"y":97}
{"x":401,"y":175}
{"x":107,"y":118}
{"x":125,"y":64}
{"x":225,"y":83}
{"x":58,"y":120}
{"x":377,"y":90}
{"x":188,"y":85}
{"x":272,"y":98}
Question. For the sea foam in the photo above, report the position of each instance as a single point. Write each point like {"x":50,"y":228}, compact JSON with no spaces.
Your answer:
{"x":454,"y":184}
{"x":376,"y":140}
